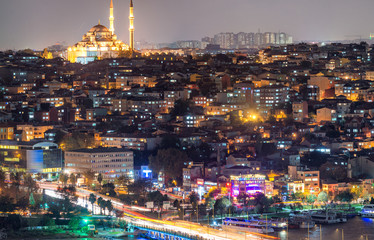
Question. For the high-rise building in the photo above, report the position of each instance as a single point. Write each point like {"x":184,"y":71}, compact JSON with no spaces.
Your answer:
{"x":226,"y":40}
{"x":270,"y":97}
{"x":110,"y":162}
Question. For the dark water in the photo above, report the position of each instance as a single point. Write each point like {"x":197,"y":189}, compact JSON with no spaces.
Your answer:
{"x":355,"y":229}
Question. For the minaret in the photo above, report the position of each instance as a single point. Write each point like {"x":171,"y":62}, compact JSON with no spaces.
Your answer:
{"x":131,"y":29}
{"x":111,"y":18}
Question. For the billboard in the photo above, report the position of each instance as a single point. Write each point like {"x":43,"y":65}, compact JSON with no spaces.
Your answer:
{"x":34,"y":161}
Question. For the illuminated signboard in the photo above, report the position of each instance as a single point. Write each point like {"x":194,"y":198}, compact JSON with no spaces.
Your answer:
{"x":8,"y":159}
{"x":146,"y":172}
{"x":200,"y":181}
{"x":249,"y":184}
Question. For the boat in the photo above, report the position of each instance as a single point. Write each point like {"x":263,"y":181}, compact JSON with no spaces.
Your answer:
{"x":301,"y":220}
{"x":368,"y":211}
{"x":241,"y":224}
{"x":328,"y":217}
{"x":276,"y":224}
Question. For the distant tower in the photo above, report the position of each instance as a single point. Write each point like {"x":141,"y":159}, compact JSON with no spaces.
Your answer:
{"x":131,"y":17}
{"x":111,"y":18}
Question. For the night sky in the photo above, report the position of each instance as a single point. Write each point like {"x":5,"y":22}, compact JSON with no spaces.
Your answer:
{"x":39,"y":23}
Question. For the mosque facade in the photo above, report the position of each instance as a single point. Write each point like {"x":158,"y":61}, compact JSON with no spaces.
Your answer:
{"x":100,"y":42}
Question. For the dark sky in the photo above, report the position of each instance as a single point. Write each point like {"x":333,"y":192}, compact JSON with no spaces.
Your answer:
{"x":39,"y":23}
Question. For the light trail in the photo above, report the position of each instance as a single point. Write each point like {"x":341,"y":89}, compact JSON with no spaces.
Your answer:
{"x":138,"y":219}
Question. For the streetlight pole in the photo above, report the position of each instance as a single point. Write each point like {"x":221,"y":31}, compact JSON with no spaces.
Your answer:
{"x":287,"y":229}
{"x":342,"y":232}
{"x":320,"y":232}
{"x":266,"y":220}
{"x":197,"y":212}
{"x":308,"y":231}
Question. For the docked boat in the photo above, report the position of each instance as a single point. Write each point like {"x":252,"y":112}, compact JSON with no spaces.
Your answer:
{"x":368,"y":211}
{"x":241,"y":224}
{"x":328,"y":217}
{"x":301,"y":220}
{"x":276,"y":224}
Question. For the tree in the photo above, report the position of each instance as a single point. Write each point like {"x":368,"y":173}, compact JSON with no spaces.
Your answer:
{"x":109,"y":206}
{"x":2,"y":178}
{"x":209,"y":202}
{"x":16,"y":181}
{"x":260,"y":202}
{"x":357,"y":191}
{"x":243,"y":198}
{"x":194,"y":198}
{"x":122,"y":180}
{"x":30,"y":183}
{"x":73,"y":179}
{"x":311,"y":198}
{"x":171,"y":161}
{"x":100,"y":201}
{"x":157,"y":197}
{"x":100,"y":178}
{"x":139,"y":187}
{"x":323,"y":197}
{"x":63,"y":178}
{"x":213,"y":192}
{"x":46,"y":54}
{"x":314,"y":159}
{"x":92,"y":200}
{"x":108,"y":189}
{"x":336,"y":172}
{"x":170,"y":141}
{"x":181,"y":108}
{"x":75,"y":223}
{"x":345,"y":196}
{"x":221,"y":205}
{"x":89,"y":175}
{"x":77,"y":140}
{"x":23,"y":203}
{"x":6,"y":204}
{"x":176,"y":203}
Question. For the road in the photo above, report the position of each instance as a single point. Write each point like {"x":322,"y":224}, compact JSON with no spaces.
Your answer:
{"x":132,"y":215}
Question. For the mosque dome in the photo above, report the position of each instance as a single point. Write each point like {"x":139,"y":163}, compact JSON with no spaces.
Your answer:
{"x":99,"y":28}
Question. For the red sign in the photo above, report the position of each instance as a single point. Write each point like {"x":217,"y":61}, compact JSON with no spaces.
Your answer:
{"x":200,"y":181}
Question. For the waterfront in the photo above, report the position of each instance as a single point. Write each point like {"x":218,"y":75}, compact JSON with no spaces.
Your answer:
{"x":355,"y":229}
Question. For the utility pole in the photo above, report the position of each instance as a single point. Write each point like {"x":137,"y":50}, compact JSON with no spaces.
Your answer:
{"x":197,"y":212}
{"x":308,"y":232}
{"x":266,"y":219}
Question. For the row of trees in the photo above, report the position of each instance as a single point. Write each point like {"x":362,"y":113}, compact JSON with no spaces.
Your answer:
{"x":345,"y":196}
{"x":72,"y":178}
{"x":103,"y":204}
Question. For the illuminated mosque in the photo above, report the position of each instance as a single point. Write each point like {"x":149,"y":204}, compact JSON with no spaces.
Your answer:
{"x":101,"y":42}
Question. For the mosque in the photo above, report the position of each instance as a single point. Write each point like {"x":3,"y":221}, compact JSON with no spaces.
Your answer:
{"x":100,"y":42}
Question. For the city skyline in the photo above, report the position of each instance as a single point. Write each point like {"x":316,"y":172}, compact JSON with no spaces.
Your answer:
{"x":68,"y":20}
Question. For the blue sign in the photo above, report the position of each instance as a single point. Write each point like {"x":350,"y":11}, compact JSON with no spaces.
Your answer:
{"x":146,"y":172}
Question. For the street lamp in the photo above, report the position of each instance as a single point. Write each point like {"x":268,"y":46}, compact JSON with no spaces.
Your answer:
{"x":342,"y":232}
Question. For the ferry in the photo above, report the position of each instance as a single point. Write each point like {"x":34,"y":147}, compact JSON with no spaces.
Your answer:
{"x":328,"y":217}
{"x":276,"y":224}
{"x":368,"y":211}
{"x":241,"y":224}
